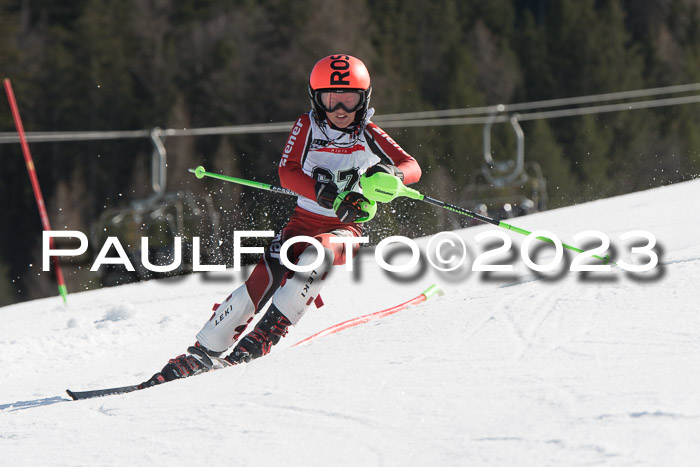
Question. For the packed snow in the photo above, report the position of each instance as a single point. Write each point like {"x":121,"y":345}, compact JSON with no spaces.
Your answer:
{"x":507,"y":368}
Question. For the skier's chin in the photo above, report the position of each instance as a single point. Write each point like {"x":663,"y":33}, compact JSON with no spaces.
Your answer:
{"x":342,"y":120}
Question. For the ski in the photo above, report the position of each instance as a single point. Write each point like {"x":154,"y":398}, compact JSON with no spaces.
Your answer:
{"x":80,"y":395}
{"x":211,"y":364}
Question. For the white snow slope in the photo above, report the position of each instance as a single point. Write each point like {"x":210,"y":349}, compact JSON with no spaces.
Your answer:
{"x":505,"y":369}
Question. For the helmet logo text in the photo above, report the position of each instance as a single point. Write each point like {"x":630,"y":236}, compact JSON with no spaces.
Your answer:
{"x":340,"y":62}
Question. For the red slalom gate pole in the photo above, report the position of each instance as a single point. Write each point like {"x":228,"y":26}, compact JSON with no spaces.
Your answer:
{"x":62,"y":290}
{"x":429,"y":292}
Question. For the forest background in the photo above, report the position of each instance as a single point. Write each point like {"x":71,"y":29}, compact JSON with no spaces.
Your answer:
{"x":102,"y":65}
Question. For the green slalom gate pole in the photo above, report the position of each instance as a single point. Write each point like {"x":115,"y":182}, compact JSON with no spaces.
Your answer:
{"x":376,"y":189}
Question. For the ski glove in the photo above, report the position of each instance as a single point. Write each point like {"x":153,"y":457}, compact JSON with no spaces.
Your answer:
{"x":326,"y":193}
{"x":351,"y":206}
{"x":386,"y":168}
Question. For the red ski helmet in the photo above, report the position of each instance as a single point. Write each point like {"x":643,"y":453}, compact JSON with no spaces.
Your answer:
{"x":340,"y":74}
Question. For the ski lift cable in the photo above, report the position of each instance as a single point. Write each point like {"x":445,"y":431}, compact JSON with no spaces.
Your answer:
{"x":463,"y":116}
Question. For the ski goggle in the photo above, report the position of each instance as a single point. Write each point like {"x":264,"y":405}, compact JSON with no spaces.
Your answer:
{"x":350,"y":101}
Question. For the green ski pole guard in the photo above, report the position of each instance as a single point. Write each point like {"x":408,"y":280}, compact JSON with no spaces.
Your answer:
{"x":384,"y":188}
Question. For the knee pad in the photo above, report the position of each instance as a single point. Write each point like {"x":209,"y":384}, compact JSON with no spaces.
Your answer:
{"x":299,"y":291}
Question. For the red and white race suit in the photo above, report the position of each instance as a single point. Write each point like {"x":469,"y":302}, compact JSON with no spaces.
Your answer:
{"x":314,"y":152}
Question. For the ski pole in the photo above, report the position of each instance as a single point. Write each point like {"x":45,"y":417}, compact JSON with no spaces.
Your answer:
{"x":376,"y":190}
{"x":383,"y":188}
{"x":436,"y":202}
{"x":200,"y":173}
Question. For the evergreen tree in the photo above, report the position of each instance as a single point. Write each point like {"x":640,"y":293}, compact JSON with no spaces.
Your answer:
{"x":132,"y":65}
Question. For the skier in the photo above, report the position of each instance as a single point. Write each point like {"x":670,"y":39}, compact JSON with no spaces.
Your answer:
{"x":327,"y":151}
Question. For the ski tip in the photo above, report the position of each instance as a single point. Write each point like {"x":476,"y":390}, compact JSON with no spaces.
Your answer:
{"x":80,"y":395}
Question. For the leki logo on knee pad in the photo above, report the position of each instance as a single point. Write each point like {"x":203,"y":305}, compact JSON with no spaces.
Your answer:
{"x":221,"y":316}
{"x":309,"y":281}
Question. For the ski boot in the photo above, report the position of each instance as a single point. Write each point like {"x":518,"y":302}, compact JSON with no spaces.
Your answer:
{"x":269,"y":330}
{"x":198,"y":360}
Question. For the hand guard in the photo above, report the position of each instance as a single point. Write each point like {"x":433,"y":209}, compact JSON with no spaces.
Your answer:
{"x":385,"y":168}
{"x":326,"y":193}
{"x":381,"y":187}
{"x":351,"y":206}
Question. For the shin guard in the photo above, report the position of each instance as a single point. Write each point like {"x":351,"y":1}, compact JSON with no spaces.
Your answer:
{"x":228,"y":321}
